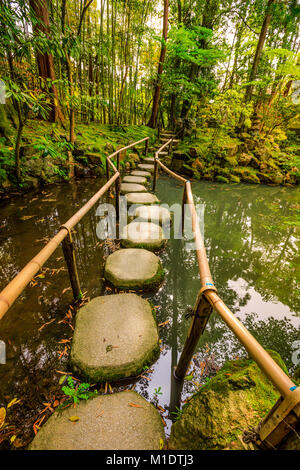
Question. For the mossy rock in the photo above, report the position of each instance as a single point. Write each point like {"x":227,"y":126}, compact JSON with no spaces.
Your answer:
{"x":234,"y":179}
{"x":222,"y":179}
{"x":239,"y":396}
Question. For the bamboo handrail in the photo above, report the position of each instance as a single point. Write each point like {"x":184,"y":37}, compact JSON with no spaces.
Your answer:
{"x":11,"y":292}
{"x":267,"y":364}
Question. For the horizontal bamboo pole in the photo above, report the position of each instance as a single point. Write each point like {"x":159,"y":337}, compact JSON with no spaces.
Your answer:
{"x":272,"y":370}
{"x":204,"y":270}
{"x":128,"y":147}
{"x":170,"y":172}
{"x":11,"y":292}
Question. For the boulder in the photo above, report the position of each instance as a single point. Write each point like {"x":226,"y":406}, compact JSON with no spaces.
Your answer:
{"x":238,"y":397}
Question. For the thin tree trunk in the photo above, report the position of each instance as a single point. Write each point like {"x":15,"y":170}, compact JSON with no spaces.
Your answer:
{"x":153,"y":119}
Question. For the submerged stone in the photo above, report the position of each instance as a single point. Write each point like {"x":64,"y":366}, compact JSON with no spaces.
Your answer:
{"x":238,"y":397}
{"x":132,"y":188}
{"x":134,"y":268}
{"x":155,"y":214}
{"x":106,"y":422}
{"x":115,"y":336}
{"x":141,"y":198}
{"x":135,"y":179}
{"x":143,"y":235}
{"x":146,"y":174}
{"x":146,"y":167}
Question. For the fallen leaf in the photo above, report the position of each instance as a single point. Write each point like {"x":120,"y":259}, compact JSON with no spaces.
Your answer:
{"x":13,"y":402}
{"x":27,"y":217}
{"x":134,"y":405}
{"x":13,"y":438}
{"x":2,"y":416}
{"x":74,"y":419}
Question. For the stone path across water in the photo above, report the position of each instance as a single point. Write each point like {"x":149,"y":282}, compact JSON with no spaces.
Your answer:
{"x":116,"y":337}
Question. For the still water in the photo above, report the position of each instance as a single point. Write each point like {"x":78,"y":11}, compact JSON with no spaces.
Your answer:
{"x":251,"y":235}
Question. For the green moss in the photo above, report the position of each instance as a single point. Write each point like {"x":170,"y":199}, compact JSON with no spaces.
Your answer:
{"x":239,"y":396}
{"x":222,"y":179}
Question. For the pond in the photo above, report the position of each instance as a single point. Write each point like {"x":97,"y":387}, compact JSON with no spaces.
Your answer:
{"x":250,"y":235}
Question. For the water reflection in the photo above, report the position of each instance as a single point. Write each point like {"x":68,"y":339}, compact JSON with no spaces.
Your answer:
{"x":250,"y":235}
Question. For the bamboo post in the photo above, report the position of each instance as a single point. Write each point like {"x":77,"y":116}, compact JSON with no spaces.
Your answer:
{"x":183,"y":210}
{"x":201,"y":314}
{"x":154,"y":173}
{"x":158,"y":131}
{"x":107,"y":170}
{"x":170,"y":147}
{"x":146,"y":147}
{"x":70,"y":258}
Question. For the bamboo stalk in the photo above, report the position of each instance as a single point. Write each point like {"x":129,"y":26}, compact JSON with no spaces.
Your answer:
{"x":70,"y":258}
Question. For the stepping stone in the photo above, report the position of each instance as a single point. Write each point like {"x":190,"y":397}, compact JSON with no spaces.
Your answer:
{"x":115,"y":336}
{"x":148,"y":159}
{"x":146,"y":167}
{"x":135,"y":179}
{"x":155,"y":214}
{"x":146,"y":174}
{"x":134,"y":268}
{"x":106,"y":422}
{"x":141,"y":198}
{"x":132,"y":188}
{"x":142,"y":235}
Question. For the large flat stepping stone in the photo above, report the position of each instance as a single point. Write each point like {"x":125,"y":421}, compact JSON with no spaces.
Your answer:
{"x":106,"y":422}
{"x":115,"y":336}
{"x":135,"y":179}
{"x":155,"y":214}
{"x":142,"y":235}
{"x":146,"y":167}
{"x":148,"y":159}
{"x":134,"y":268}
{"x":146,"y":174}
{"x":132,"y":188}
{"x":141,"y":198}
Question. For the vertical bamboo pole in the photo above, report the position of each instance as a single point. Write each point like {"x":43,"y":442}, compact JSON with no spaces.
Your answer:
{"x":201,"y":314}
{"x":155,"y":172}
{"x":183,"y":210}
{"x":70,"y":258}
{"x":146,"y":147}
{"x":170,"y":147}
{"x":117,"y":188}
{"x":107,"y":170}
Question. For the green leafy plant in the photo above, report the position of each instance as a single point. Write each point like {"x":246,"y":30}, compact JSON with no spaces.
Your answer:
{"x":79,"y":392}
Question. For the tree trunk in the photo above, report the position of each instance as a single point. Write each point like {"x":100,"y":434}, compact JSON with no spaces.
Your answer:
{"x":259,"y":49}
{"x":45,"y":61}
{"x":153,"y":119}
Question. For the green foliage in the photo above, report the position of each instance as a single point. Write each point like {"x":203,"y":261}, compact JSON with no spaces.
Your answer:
{"x":78,"y":392}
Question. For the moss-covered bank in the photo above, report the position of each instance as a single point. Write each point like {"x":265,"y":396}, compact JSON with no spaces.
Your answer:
{"x":214,"y":155}
{"x":44,"y":150}
{"x":238,"y":397}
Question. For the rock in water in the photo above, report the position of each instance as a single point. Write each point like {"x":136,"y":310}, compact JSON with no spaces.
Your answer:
{"x":238,"y":397}
{"x":146,"y":174}
{"x":132,"y":188}
{"x":121,"y":421}
{"x":115,"y":336}
{"x":134,"y":268}
{"x":142,"y":235}
{"x":141,"y":198}
{"x":135,"y":179}
{"x":155,"y":214}
{"x":146,"y":167}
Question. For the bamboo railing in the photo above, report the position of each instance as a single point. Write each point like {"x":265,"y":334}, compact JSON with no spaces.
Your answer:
{"x":288,"y":407}
{"x":11,"y":292}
